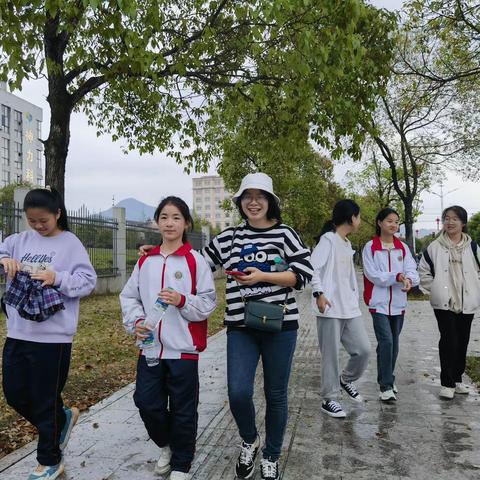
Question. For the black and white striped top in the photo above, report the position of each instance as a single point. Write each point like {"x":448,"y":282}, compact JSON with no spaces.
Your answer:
{"x":255,"y":247}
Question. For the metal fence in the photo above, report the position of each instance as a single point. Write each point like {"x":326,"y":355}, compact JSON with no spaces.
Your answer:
{"x":98,"y":235}
{"x":10,"y":215}
{"x":139,"y":234}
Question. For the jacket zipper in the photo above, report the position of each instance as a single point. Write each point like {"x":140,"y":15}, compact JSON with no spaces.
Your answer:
{"x":161,"y":321}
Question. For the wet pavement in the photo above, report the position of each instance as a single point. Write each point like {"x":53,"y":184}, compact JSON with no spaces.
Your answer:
{"x":419,"y":437}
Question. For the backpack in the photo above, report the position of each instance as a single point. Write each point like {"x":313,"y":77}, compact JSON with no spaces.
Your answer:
{"x":428,"y":258}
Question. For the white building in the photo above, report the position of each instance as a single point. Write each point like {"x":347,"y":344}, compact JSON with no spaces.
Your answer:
{"x":21,"y":150}
{"x":208,"y":196}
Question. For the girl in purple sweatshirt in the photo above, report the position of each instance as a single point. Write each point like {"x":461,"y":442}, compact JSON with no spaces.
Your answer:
{"x":36,"y":355}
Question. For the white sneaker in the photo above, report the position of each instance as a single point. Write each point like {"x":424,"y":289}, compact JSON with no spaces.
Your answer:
{"x":333,"y":408}
{"x":387,"y":396}
{"x":447,"y":392}
{"x":163,"y":462}
{"x":462,"y":389}
{"x":179,"y":475}
{"x":395,"y":389}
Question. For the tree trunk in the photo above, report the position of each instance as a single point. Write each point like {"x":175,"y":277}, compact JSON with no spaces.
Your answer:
{"x":408,"y":205}
{"x":56,"y":145}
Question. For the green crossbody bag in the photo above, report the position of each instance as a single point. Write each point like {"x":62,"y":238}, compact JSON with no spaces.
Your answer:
{"x":264,"y":316}
{"x":261,"y":315}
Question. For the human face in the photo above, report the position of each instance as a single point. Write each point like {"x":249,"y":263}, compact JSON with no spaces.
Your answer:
{"x":355,"y":223}
{"x":43,"y":221}
{"x":452,"y":224}
{"x":389,"y":225}
{"x":171,"y":223}
{"x":254,"y":204}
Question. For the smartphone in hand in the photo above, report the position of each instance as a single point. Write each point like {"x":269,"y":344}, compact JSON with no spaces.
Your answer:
{"x":234,"y":273}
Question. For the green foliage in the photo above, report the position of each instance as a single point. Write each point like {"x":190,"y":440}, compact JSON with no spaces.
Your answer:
{"x":7,"y":192}
{"x":176,"y":76}
{"x":448,"y":56}
{"x":474,"y":227}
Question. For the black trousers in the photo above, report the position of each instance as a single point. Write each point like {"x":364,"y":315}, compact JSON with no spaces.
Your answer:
{"x":34,"y":375}
{"x":454,"y":337}
{"x":167,"y":398}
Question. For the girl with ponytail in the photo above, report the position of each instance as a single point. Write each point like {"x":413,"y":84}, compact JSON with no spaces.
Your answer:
{"x":47,"y":267}
{"x":336,"y":305}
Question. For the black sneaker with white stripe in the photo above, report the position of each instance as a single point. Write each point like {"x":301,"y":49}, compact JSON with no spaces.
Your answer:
{"x":333,"y":408}
{"x":351,"y":390}
{"x":245,"y":467}
{"x":269,"y":469}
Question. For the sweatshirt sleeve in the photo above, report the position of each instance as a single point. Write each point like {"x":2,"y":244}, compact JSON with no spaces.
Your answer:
{"x":198,"y":307}
{"x":320,"y":256}
{"x":371,"y":271}
{"x":130,"y":302}
{"x":426,"y":277}
{"x":297,"y":255}
{"x":80,"y":280}
{"x":7,"y":247}
{"x":410,"y":267}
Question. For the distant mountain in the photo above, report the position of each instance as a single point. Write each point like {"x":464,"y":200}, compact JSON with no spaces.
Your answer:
{"x":134,"y":210}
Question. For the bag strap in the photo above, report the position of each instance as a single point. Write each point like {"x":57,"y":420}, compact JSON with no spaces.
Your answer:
{"x":285,"y":308}
{"x":428,"y":259}
{"x":474,"y":246}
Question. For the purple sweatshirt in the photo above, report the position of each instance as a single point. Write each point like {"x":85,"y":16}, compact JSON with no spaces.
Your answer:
{"x":74,"y":278}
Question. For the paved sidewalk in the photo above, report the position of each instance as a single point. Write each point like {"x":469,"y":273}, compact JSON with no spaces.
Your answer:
{"x":420,"y":437}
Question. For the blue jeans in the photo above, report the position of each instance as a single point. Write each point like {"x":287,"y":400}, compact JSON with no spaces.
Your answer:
{"x":387,"y":330}
{"x":244,"y":349}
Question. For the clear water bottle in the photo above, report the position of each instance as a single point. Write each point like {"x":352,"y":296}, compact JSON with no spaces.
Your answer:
{"x":280,"y":264}
{"x":151,"y":323}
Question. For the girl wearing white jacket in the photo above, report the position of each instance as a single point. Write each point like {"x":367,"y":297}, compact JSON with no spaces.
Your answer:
{"x":167,"y":383}
{"x":449,"y":273}
{"x":336,"y":305}
{"x":389,"y":272}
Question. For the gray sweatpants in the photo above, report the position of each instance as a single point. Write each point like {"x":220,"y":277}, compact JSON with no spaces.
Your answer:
{"x":351,"y":333}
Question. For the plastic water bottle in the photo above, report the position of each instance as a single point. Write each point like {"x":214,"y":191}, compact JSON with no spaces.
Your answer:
{"x":280,"y":264}
{"x":151,"y":323}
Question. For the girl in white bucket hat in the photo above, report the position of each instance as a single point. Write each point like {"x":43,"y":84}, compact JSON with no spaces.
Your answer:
{"x":274,"y":261}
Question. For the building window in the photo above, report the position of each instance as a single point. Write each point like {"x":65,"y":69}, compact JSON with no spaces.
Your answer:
{"x":39,"y":181}
{"x":218,"y":215}
{"x":39,"y":129}
{"x":19,"y":178}
{"x":39,"y":160}
{"x":5,"y":151}
{"x":5,"y":125}
{"x":18,"y":125}
{"x":18,"y":155}
{"x":6,"y":178}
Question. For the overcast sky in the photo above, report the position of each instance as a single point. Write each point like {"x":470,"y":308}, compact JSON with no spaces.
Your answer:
{"x":98,"y":171}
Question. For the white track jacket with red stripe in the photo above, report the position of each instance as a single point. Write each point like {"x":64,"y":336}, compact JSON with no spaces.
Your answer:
{"x":381,"y":268}
{"x":182,"y":333}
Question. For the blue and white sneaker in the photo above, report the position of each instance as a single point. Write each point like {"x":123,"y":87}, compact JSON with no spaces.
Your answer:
{"x":72,"y":415}
{"x":43,"y":472}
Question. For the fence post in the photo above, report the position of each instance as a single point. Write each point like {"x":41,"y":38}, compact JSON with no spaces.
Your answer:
{"x":19,"y":195}
{"x":119,"y":214}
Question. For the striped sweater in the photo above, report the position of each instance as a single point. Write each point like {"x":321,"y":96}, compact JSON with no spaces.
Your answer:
{"x":255,"y":247}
